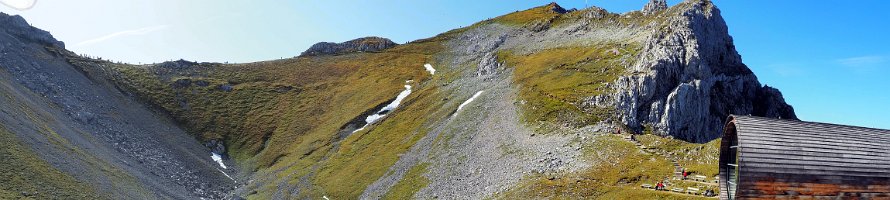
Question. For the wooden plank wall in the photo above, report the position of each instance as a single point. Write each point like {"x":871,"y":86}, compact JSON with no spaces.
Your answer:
{"x":792,"y":159}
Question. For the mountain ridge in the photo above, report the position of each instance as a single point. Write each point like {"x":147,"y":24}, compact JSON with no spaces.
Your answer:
{"x":539,"y":89}
{"x":112,"y":146}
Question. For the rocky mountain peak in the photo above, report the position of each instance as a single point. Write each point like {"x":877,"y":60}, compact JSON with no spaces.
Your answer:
{"x":357,"y":45}
{"x":654,"y":6}
{"x":16,"y":25}
{"x":556,"y":8}
{"x":689,"y":77}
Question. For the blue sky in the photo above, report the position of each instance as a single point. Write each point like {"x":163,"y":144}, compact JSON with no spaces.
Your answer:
{"x":830,"y":59}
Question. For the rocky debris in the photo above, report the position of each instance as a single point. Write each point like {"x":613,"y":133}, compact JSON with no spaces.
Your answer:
{"x":688,"y":78}
{"x":365,"y":44}
{"x":654,"y":6}
{"x":104,"y":137}
{"x":181,"y":83}
{"x":225,"y":87}
{"x":488,"y":149}
{"x":489,"y":65}
{"x":202,"y":83}
{"x":17,"y":26}
{"x":216,"y":146}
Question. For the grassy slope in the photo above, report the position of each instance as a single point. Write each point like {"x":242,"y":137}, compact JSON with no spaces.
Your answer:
{"x":24,"y":175}
{"x":409,"y":185}
{"x":24,"y":171}
{"x":526,"y":17}
{"x":281,"y":116}
{"x":620,"y":168}
{"x":699,"y":159}
{"x":554,"y":82}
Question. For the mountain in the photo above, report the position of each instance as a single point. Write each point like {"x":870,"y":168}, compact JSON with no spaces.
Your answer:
{"x":67,"y":135}
{"x":518,"y":106}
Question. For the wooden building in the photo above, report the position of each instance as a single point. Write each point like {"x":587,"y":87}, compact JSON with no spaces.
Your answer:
{"x":764,"y":158}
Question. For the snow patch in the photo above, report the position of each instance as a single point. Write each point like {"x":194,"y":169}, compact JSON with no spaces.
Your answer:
{"x":430,"y":69}
{"x":386,"y":109}
{"x":325,"y":197}
{"x":469,"y":100}
{"x":218,"y":159}
{"x":227,"y":175}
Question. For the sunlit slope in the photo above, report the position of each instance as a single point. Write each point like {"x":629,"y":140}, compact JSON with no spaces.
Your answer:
{"x":538,"y":90}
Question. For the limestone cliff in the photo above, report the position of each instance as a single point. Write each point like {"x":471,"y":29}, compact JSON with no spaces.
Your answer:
{"x":689,"y":77}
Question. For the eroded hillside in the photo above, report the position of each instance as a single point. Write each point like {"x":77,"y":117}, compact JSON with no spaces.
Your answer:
{"x":67,"y":136}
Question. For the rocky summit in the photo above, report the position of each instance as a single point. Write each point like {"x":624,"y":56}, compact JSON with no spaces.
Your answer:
{"x":688,"y":78}
{"x":365,"y":44}
{"x":528,"y":105}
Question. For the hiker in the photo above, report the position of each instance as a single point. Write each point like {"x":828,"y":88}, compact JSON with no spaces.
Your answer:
{"x":685,"y":173}
{"x":659,"y":186}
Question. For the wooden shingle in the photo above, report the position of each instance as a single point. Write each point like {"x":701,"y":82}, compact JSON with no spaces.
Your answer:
{"x":777,"y":158}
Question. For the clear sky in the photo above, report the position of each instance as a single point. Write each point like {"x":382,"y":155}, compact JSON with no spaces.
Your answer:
{"x":831,"y":59}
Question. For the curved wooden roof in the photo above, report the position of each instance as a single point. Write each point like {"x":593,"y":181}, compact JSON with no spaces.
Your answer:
{"x":788,"y":157}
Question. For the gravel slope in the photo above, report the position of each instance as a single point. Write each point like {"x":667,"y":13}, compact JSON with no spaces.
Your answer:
{"x":90,"y":130}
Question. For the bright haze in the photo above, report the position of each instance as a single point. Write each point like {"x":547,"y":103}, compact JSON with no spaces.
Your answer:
{"x":830,"y":59}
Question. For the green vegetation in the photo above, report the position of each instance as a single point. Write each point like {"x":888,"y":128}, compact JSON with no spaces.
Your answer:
{"x":544,"y":17}
{"x":525,"y":17}
{"x":27,"y":172}
{"x":554,"y":82}
{"x":699,"y":159}
{"x":619,"y":168}
{"x":280,"y":118}
{"x":23,"y":175}
{"x":367,"y":155}
{"x":410,"y":184}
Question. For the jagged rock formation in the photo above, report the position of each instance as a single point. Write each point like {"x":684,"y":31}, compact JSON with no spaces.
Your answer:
{"x":364,"y":44}
{"x":558,"y":9}
{"x":689,"y":78}
{"x":17,"y":26}
{"x":654,"y":6}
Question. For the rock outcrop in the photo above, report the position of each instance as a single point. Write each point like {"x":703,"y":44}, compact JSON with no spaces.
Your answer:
{"x":689,"y":77}
{"x":654,"y":6}
{"x":17,"y":26}
{"x":558,"y":9}
{"x":364,"y":44}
